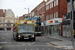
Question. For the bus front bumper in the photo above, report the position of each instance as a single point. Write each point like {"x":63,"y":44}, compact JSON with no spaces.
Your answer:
{"x":26,"y":37}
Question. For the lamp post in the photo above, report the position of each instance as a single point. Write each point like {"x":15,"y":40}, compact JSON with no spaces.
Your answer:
{"x":28,"y":12}
{"x":71,"y":22}
{"x":71,"y":19}
{"x":4,"y":22}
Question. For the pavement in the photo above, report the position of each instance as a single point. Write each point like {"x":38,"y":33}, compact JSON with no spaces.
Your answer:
{"x":63,"y":42}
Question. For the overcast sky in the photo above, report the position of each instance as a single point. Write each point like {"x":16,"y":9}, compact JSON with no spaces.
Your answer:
{"x":17,"y":6}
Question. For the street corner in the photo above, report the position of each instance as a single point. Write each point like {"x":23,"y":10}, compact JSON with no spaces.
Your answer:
{"x":56,"y":46}
{"x":0,"y":47}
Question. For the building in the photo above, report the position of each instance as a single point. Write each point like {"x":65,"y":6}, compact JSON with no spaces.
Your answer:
{"x":66,"y":21}
{"x":6,"y":22}
{"x":39,"y":10}
{"x":54,"y":11}
{"x":22,"y":17}
{"x":2,"y":12}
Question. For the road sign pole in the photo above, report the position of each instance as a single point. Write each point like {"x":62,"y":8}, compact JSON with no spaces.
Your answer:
{"x":71,"y":23}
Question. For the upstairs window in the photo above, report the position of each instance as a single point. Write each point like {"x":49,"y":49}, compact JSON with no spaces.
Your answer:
{"x":56,"y":2}
{"x":47,"y":7}
{"x":52,"y":4}
{"x":56,"y":14}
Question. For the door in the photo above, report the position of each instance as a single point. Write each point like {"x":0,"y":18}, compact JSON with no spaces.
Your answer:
{"x":68,"y":31}
{"x":64,"y":30}
{"x":56,"y":30}
{"x":51,"y":30}
{"x":48,"y":28}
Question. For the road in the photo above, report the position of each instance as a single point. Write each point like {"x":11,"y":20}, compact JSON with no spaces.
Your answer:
{"x":8,"y":43}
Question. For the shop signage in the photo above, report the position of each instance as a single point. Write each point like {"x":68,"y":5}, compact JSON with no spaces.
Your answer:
{"x":56,"y":21}
{"x":50,"y":21}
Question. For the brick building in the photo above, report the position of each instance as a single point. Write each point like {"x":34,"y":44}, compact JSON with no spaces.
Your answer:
{"x":39,"y":10}
{"x":51,"y":12}
{"x":2,"y":12}
{"x":54,"y":11}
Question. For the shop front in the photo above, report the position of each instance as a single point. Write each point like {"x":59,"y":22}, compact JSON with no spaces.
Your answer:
{"x":53,"y":27}
{"x":66,"y":25}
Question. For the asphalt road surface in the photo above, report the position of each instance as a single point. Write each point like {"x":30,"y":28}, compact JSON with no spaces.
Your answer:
{"x":8,"y":43}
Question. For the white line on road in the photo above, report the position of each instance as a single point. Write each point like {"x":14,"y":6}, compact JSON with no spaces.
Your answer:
{"x":3,"y":42}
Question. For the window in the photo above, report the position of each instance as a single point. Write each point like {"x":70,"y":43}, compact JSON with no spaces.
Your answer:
{"x":56,"y":14}
{"x":47,"y":7}
{"x":68,"y":7}
{"x":52,"y":4}
{"x":56,"y":2}
{"x":52,"y":15}
{"x":47,"y":17}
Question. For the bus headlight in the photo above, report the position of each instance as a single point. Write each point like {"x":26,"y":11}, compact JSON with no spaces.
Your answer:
{"x":39,"y":32}
{"x":32,"y":35}
{"x":19,"y":35}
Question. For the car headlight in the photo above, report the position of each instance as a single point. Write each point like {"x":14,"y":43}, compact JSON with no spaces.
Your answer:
{"x":19,"y":35}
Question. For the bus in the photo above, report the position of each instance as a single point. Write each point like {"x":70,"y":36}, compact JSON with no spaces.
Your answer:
{"x":24,"y":29}
{"x":38,"y":23}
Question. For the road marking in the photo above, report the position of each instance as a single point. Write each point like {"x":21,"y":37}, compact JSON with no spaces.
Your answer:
{"x":3,"y":42}
{"x":0,"y":47}
{"x":25,"y":49}
{"x":62,"y":47}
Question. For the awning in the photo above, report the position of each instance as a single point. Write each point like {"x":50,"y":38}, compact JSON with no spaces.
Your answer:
{"x":67,"y":22}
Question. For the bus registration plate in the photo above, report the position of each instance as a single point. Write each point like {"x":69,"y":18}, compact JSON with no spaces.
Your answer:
{"x":26,"y":38}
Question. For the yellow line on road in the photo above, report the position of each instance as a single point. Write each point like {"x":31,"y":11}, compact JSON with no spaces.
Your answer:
{"x":56,"y":46}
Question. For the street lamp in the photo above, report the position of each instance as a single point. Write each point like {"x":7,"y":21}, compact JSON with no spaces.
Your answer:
{"x":28,"y":12}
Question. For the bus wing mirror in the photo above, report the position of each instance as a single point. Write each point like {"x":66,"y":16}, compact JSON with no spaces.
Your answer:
{"x":35,"y":25}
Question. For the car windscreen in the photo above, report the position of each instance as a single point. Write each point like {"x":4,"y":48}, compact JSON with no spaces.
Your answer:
{"x":26,"y":28}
